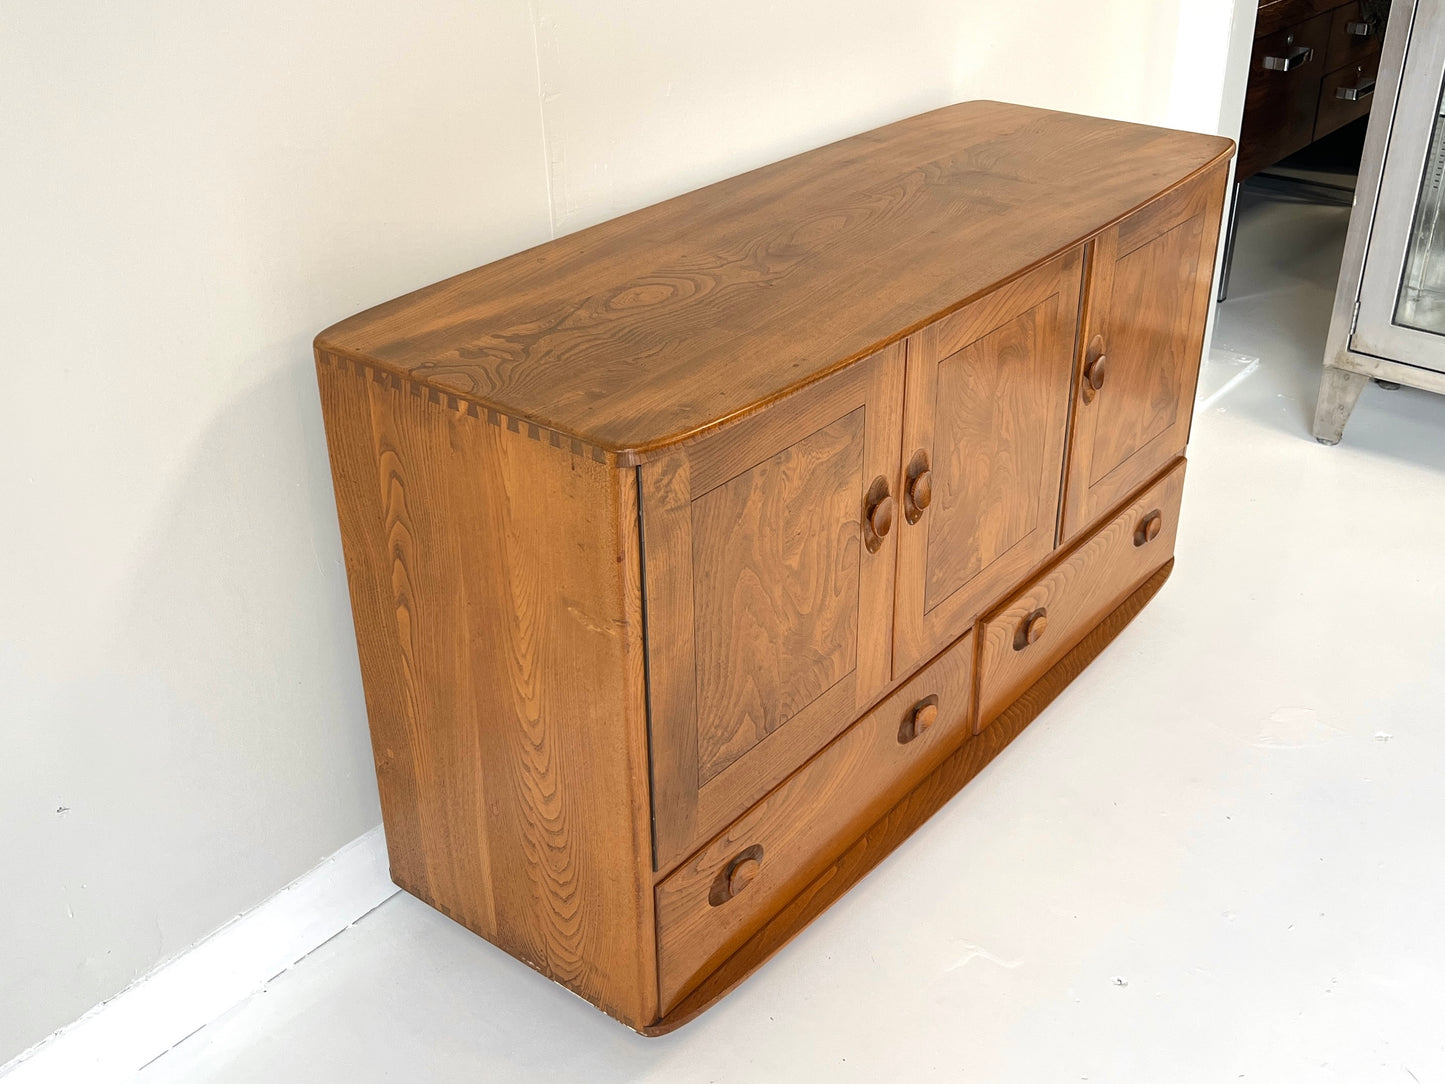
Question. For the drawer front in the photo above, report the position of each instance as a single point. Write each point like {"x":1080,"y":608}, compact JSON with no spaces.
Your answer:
{"x":720,"y":896}
{"x":1285,"y":69}
{"x":1351,"y":38}
{"x":1044,"y":621}
{"x":1345,"y":95}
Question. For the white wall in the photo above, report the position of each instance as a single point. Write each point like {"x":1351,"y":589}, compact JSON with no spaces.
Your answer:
{"x":190,"y":192}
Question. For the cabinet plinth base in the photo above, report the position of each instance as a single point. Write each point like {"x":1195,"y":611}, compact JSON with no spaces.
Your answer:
{"x":912,"y":811}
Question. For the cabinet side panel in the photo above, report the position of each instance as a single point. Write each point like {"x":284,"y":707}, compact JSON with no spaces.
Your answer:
{"x":493,"y":585}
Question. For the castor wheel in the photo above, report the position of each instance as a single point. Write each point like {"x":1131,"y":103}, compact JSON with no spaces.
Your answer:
{"x":1388,"y":385}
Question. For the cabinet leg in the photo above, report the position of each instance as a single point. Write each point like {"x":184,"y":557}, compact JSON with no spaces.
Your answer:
{"x":1339,"y":391}
{"x":1231,"y":228}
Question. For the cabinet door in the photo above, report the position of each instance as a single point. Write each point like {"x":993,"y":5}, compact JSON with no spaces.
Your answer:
{"x":1148,"y":299}
{"x":769,"y":553}
{"x":985,"y":417}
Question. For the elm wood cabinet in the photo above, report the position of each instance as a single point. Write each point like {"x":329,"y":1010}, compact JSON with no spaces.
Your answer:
{"x":698,"y":557}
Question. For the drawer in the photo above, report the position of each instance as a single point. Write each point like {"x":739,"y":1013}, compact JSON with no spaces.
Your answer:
{"x":1345,"y":95}
{"x":1351,"y":38}
{"x":1285,"y":69}
{"x":1043,"y":622}
{"x":720,"y":896}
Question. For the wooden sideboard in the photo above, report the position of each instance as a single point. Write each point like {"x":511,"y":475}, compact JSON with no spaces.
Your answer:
{"x":696,"y":558}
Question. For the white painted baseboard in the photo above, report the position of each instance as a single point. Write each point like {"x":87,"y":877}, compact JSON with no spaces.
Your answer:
{"x":161,"y":1008}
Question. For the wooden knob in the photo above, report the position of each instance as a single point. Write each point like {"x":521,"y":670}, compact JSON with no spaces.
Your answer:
{"x":741,"y":874}
{"x":920,"y":491}
{"x":1096,"y":370}
{"x":923,"y":716}
{"x":1149,"y":528}
{"x":736,"y":875}
{"x":918,"y":487}
{"x":880,"y":516}
{"x":1031,"y":630}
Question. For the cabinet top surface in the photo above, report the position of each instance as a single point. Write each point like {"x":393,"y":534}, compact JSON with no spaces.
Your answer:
{"x":659,"y":325}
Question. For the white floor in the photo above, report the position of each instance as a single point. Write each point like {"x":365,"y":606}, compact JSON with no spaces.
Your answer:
{"x":1219,"y":855}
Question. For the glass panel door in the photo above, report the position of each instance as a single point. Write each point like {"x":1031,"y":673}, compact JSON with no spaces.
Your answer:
{"x":1401,"y":303}
{"x":1421,"y":303}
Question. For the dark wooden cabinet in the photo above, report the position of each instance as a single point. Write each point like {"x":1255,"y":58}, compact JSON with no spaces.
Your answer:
{"x":698,"y":557}
{"x":1311,"y":72}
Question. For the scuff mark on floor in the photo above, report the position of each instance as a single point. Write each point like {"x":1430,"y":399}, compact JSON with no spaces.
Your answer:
{"x":976,"y":952}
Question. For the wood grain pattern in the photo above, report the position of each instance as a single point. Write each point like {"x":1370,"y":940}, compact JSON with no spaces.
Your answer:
{"x":497,"y":633}
{"x":1074,"y":595}
{"x":776,"y":556}
{"x":651,"y":530}
{"x":770,"y":623}
{"x":1146,"y":309}
{"x":626,"y":335}
{"x":904,"y":818}
{"x":987,"y":404}
{"x":802,"y":824}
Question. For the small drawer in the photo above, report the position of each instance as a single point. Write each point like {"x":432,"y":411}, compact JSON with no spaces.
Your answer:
{"x":720,"y":896}
{"x":1346,"y":94}
{"x":1038,"y":626}
{"x":1351,"y":38}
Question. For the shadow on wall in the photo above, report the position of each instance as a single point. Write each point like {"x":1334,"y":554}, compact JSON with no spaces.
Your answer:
{"x":229,"y":673}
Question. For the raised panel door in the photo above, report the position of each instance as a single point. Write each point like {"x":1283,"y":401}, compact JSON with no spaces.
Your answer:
{"x":769,"y":553}
{"x":985,"y":417}
{"x":1148,"y":300}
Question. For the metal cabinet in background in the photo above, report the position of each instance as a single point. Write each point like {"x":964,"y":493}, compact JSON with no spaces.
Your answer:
{"x":1389,"y":315}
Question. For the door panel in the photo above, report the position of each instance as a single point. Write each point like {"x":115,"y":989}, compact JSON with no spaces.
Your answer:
{"x":768,"y":578}
{"x":986,"y":411}
{"x":1147,"y":350}
{"x":1144,"y":322}
{"x":776,"y":610}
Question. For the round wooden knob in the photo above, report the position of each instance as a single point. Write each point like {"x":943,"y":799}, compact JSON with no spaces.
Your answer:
{"x":742,"y":873}
{"x":924,"y":716}
{"x":1034,"y":627}
{"x":880,"y":516}
{"x":1149,"y":528}
{"x":1096,"y":370}
{"x":920,"y":490}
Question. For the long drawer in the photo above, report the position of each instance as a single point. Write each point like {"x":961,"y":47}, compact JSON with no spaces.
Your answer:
{"x":720,"y":896}
{"x":1040,"y":624}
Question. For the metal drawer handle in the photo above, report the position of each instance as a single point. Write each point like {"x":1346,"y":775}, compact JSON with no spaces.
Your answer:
{"x":1363,"y":89}
{"x":1358,"y":30}
{"x":1300,"y":54}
